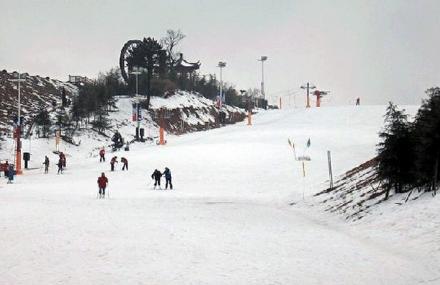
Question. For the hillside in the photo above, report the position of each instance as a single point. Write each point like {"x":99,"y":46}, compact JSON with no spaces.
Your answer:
{"x":36,"y":93}
{"x":229,"y":219}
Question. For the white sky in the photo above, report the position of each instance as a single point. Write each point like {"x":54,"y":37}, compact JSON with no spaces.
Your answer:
{"x":377,"y":50}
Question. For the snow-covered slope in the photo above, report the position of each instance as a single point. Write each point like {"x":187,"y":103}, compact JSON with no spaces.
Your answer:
{"x":229,"y":219}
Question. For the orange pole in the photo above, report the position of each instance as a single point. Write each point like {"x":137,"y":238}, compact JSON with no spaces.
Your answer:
{"x":161,"y":136}
{"x":249,"y":118}
{"x":18,"y":152}
{"x":318,"y":100}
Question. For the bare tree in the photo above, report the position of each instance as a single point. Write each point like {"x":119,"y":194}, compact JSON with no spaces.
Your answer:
{"x":170,"y":42}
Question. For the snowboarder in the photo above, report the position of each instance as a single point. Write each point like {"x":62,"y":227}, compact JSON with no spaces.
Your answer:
{"x":112,"y":163}
{"x":60,"y":166}
{"x":156,"y":176}
{"x":46,"y":164}
{"x":102,"y":155}
{"x":125,"y":163}
{"x":167,"y":174}
{"x":102,"y":184}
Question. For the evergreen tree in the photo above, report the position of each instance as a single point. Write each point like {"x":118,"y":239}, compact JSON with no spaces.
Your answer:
{"x":427,"y":129}
{"x":396,"y":152}
{"x":43,"y":120}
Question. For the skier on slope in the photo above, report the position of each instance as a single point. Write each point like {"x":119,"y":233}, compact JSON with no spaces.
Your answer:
{"x":63,"y":158}
{"x":167,"y":174}
{"x":102,"y":184}
{"x":46,"y":164}
{"x":112,"y":163}
{"x":124,"y":163}
{"x":60,"y":166}
{"x":156,"y":176}
{"x":102,"y":155}
{"x":11,"y":173}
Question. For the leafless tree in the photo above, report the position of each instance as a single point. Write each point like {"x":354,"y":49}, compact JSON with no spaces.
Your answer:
{"x":170,"y":42}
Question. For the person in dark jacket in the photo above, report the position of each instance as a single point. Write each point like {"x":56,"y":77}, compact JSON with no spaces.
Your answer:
{"x":63,"y":159}
{"x":60,"y":166}
{"x":124,"y":163}
{"x":156,"y":176}
{"x":46,"y":164}
{"x":112,"y":163}
{"x":167,"y":174}
{"x":102,"y":184}
{"x":10,"y":173}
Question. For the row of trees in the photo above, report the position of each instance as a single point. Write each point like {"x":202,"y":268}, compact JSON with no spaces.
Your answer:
{"x":409,"y":152}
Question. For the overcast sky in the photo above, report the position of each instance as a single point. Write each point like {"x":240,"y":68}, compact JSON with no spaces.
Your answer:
{"x":377,"y":50}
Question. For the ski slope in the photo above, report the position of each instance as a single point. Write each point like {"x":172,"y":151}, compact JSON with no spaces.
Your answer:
{"x":228,"y":221}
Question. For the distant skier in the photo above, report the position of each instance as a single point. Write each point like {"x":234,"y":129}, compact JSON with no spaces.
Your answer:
{"x":102,"y":184}
{"x":358,"y":101}
{"x":112,"y":163}
{"x":46,"y":164}
{"x":6,"y":169}
{"x":156,"y":176}
{"x":124,"y":163}
{"x":60,"y":166}
{"x":102,"y":155}
{"x":167,"y":174}
{"x":10,"y":173}
{"x":63,"y":159}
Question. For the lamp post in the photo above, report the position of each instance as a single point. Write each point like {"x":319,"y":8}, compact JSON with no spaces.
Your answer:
{"x":262,"y":59}
{"x":18,"y":128}
{"x":221,"y":65}
{"x":136,"y":73}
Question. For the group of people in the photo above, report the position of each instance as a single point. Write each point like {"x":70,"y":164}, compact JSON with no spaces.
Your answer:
{"x":61,"y":163}
{"x":8,"y":170}
{"x":114,"y":160}
{"x":157,"y":176}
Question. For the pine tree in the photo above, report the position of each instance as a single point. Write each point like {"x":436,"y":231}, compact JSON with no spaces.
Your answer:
{"x":396,"y":152}
{"x":427,"y":128}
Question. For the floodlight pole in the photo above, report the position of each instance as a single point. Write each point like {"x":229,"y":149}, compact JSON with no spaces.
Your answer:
{"x":221,"y":65}
{"x":262,"y":59}
{"x":18,"y":128}
{"x":136,"y":73}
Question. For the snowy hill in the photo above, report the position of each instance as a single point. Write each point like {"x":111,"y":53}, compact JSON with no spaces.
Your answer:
{"x":36,"y":93}
{"x":229,"y":219}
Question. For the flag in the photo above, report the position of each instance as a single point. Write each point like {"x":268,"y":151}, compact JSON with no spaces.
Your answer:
{"x":308,"y":143}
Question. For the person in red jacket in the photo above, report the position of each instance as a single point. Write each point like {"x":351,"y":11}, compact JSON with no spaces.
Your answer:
{"x":102,"y":184}
{"x":102,"y":155}
{"x":112,"y":163}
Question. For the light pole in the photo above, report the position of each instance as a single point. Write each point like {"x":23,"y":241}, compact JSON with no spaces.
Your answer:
{"x":18,"y":128}
{"x":262,"y":59}
{"x":136,"y":73}
{"x":221,"y":65}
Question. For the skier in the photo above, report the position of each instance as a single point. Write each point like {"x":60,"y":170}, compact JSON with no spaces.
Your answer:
{"x":46,"y":164}
{"x":112,"y":163}
{"x":167,"y":174}
{"x":10,"y":173}
{"x":63,"y":158}
{"x":102,"y":184}
{"x":60,"y":166}
{"x":102,"y":155}
{"x":125,"y":163}
{"x":156,"y":176}
{"x":6,"y":169}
